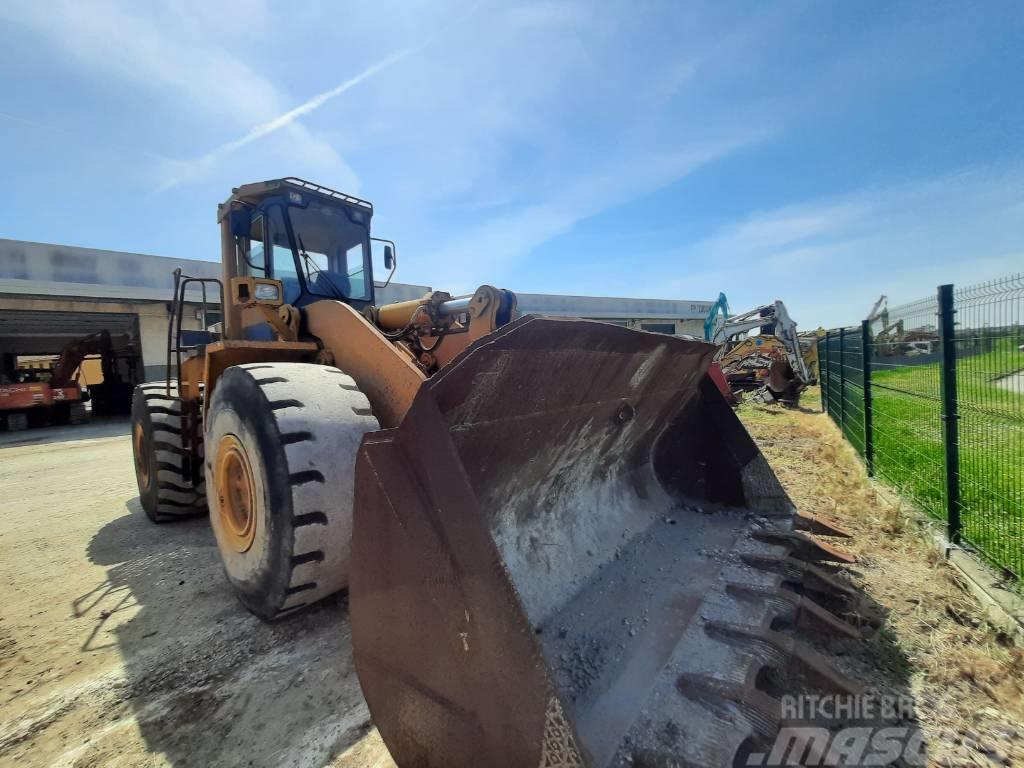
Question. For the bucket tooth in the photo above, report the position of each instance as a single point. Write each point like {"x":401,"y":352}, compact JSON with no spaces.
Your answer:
{"x":820,"y":525}
{"x":810,"y":615}
{"x":796,"y":654}
{"x":763,"y":711}
{"x":801,"y":611}
{"x":806,"y":547}
{"x":806,"y":575}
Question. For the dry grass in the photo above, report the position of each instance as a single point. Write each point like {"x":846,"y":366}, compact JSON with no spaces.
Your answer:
{"x":929,"y":634}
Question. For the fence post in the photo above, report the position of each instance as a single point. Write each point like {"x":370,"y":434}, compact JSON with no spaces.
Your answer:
{"x":842,"y":382}
{"x":950,"y":431}
{"x":869,"y":429}
{"x":823,"y":372}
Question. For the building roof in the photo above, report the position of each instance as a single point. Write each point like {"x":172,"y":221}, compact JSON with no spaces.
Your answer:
{"x":45,"y":269}
{"x":609,"y":306}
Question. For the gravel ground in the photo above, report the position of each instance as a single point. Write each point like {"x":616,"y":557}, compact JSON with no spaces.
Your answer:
{"x":122,"y":645}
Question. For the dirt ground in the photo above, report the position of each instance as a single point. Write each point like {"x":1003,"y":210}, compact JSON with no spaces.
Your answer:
{"x":923,"y":632}
{"x":121,"y":644}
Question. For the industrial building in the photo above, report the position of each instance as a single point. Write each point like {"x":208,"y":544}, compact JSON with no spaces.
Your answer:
{"x":51,"y":295}
{"x":677,"y":317}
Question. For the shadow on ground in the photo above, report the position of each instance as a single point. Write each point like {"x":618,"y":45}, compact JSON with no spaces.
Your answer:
{"x":114,"y":426}
{"x":208,"y":683}
{"x":874,"y":660}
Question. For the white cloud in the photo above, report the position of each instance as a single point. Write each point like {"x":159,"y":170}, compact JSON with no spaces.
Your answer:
{"x":830,"y":258}
{"x":177,"y":52}
{"x":191,"y":170}
{"x":526,"y":121}
{"x":491,"y":250}
{"x":157,"y":50}
{"x":516,"y":121}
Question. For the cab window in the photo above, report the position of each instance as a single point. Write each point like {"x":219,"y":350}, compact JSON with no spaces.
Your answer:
{"x":332,"y":251}
{"x":254,"y":262}
{"x":282,"y":261}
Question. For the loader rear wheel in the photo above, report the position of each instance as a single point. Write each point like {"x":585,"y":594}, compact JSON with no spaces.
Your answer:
{"x":282,"y":443}
{"x":159,"y":456}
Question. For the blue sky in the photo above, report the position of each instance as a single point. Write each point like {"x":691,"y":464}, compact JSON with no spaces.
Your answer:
{"x":822,"y":153}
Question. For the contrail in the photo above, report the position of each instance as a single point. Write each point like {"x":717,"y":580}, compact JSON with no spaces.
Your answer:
{"x":291,"y":115}
{"x":314,"y":103}
{"x":261,"y":130}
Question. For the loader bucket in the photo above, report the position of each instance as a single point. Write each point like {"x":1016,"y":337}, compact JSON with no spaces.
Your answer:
{"x":571,"y":553}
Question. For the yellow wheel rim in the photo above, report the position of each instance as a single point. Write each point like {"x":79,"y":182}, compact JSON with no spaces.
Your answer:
{"x":236,"y":493}
{"x":141,"y":455}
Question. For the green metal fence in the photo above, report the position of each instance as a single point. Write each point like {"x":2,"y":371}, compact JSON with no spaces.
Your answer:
{"x":931,"y":395}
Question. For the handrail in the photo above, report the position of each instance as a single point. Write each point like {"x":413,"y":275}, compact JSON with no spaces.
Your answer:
{"x":174,"y":345}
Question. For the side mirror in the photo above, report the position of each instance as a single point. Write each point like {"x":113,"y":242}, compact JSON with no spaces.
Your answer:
{"x":389,"y":257}
{"x":240,"y":222}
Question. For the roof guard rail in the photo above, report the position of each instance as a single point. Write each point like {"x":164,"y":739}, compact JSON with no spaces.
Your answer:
{"x":295,"y":181}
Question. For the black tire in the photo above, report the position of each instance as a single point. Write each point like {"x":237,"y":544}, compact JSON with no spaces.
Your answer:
{"x":164,"y":492}
{"x":59,"y":414}
{"x":77,"y":413}
{"x":16,"y":422}
{"x":293,"y":429}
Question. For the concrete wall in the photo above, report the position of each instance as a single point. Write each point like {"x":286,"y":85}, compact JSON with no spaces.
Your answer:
{"x":152,"y":315}
{"x":686,"y":317}
{"x":48,"y":277}
{"x":611,"y":307}
{"x":61,"y":270}
{"x":655,"y":324}
{"x":44,"y":269}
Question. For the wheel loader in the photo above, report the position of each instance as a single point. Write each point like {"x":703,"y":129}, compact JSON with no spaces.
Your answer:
{"x":560,"y":546}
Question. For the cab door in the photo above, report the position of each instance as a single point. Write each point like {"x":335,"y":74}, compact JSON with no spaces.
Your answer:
{"x":269,"y":255}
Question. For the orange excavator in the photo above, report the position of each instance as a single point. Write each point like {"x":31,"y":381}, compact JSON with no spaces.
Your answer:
{"x":56,"y":397}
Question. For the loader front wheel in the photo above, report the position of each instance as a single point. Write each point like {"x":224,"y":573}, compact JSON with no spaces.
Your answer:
{"x":281,"y":447}
{"x":160,"y":457}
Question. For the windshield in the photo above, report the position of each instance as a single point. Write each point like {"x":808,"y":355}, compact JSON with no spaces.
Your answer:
{"x":333,"y":251}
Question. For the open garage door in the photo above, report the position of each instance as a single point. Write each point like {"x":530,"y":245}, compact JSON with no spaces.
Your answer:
{"x":26,"y":334}
{"x":38,"y":332}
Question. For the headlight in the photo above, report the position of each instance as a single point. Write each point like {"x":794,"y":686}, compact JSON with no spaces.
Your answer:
{"x":267,"y":292}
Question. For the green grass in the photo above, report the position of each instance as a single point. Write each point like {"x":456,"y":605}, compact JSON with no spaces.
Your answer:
{"x":909,"y":448}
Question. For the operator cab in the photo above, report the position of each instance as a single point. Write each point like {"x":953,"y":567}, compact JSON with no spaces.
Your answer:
{"x":314,"y":240}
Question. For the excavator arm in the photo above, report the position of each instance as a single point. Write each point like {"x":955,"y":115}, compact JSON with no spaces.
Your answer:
{"x":73,"y":354}
{"x":772,"y":315}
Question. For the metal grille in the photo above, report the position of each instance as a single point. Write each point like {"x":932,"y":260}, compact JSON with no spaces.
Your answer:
{"x":906,"y":402}
{"x":990,"y":404}
{"x":931,"y":394}
{"x":841,"y":355}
